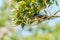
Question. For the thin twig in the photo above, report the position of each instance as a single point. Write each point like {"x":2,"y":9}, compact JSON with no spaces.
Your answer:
{"x":56,"y":12}
{"x":46,"y":17}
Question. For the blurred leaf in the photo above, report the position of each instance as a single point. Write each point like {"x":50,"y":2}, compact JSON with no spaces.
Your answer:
{"x":56,"y":3}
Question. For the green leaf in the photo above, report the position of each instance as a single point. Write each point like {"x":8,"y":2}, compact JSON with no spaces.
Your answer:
{"x":56,"y":3}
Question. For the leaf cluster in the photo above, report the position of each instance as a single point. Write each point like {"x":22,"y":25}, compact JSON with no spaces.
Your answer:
{"x":25,"y":10}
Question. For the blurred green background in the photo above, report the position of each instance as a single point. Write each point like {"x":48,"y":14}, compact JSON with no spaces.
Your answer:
{"x":47,"y":30}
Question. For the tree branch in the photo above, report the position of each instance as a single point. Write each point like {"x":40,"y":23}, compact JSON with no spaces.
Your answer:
{"x":56,"y":12}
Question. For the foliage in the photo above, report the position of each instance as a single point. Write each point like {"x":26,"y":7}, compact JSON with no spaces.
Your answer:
{"x":42,"y":32}
{"x":3,"y":14}
{"x":25,"y":10}
{"x":44,"y":35}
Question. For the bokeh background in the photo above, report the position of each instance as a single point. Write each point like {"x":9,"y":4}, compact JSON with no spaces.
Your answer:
{"x":47,"y":30}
